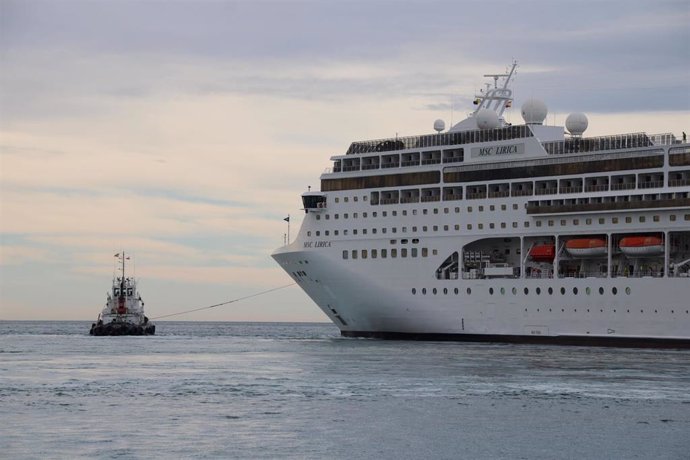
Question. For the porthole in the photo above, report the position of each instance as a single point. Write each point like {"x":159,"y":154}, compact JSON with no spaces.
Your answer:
{"x":469,"y":291}
{"x":614,"y":290}
{"x":491,"y":291}
{"x":434,"y":291}
{"x":601,"y":290}
{"x":627,"y":290}
{"x":457,"y":291}
{"x":588,"y":290}
{"x":562,"y":291}
{"x":575,"y":290}
{"x":538,"y":291}
{"x":445,"y":291}
{"x":414,"y":291}
{"x":550,"y":291}
{"x":424,"y":291}
{"x":526,"y":291}
{"x":503,"y":291}
{"x":514,"y":291}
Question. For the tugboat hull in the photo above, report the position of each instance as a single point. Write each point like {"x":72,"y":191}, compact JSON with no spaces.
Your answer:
{"x":122,"y":329}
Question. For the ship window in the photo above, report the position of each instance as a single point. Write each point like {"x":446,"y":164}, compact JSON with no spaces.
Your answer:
{"x":503,"y":207}
{"x":415,"y":240}
{"x":550,"y":291}
{"x":515,"y":206}
{"x":337,"y":200}
{"x":434,"y":252}
{"x":469,"y":226}
{"x":384,"y":253}
{"x":643,"y":218}
{"x":354,"y":231}
{"x":335,"y":232}
{"x":425,"y":228}
{"x":414,"y":229}
{"x":435,"y":210}
{"x":336,"y":216}
{"x":425,"y":211}
{"x":576,"y":221}
{"x":550,"y":223}
{"x":318,"y":217}
{"x":457,"y":227}
{"x":424,"y":291}
{"x":525,"y":223}
{"x":414,"y":212}
{"x":364,"y":253}
{"x":602,"y":220}
{"x":491,"y":225}
{"x":373,"y":230}
{"x":469,"y":209}
{"x":435,"y":228}
{"x":445,"y":210}
{"x":503,"y":291}
{"x":394,"y":253}
{"x":404,"y":229}
{"x":614,"y":290}
{"x":575,"y":290}
{"x":373,"y":253}
{"x":395,"y":213}
{"x":403,"y":252}
{"x":456,"y":291}
{"x":538,"y":291}
{"x":425,"y":252}
{"x":309,"y":233}
{"x":601,"y":291}
{"x":627,"y":290}
{"x":480,"y":226}
{"x":687,"y":217}
{"x":318,"y":233}
{"x":562,"y":291}
{"x":492,"y":208}
{"x":395,"y":230}
{"x":457,"y":210}
{"x":344,"y":232}
{"x":328,"y":216}
{"x":355,"y":198}
{"x":345,"y":254}
{"x":414,"y":252}
{"x":384,"y":214}
{"x":364,"y":231}
{"x":404,"y":212}
{"x":469,"y":291}
{"x":563,"y":223}
{"x":656,"y":218}
{"x":538,"y":224}
{"x":588,"y":221}
{"x":414,"y":291}
{"x":374,"y":214}
{"x":326,"y":232}
{"x":491,"y":291}
{"x":346,"y":199}
{"x":672,"y":217}
{"x":445,"y":228}
{"x":354,"y":253}
{"x":117,"y":291}
{"x":481,"y":208}
{"x":614,"y":220}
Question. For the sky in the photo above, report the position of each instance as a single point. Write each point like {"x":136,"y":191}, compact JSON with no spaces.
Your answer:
{"x":184,"y":132}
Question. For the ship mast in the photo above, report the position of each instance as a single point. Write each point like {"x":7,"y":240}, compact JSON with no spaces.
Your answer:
{"x":500,"y":97}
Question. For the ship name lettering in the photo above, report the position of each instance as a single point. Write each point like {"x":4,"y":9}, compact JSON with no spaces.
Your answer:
{"x":317,"y":244}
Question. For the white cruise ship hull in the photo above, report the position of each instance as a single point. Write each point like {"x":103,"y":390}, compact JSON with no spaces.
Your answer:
{"x":377,"y":301}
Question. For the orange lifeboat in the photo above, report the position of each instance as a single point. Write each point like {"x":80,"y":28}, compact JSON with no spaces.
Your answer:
{"x":586,"y":247}
{"x":543,"y":252}
{"x":641,"y":246}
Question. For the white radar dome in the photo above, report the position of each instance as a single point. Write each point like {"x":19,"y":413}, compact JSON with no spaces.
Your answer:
{"x":439,"y":125}
{"x":534,"y":112}
{"x":487,"y":119}
{"x":576,"y":123}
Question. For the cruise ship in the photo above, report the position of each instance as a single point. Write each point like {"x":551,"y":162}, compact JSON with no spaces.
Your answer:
{"x":491,"y":231}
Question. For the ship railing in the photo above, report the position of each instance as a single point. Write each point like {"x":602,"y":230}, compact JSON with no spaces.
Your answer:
{"x":499,"y":194}
{"x":569,"y":274}
{"x":598,"y":144}
{"x":596,"y":188}
{"x":440,"y":140}
{"x":678,"y":183}
{"x":430,"y":198}
{"x":627,"y":186}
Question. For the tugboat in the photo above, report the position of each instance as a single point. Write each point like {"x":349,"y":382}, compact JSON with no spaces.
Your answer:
{"x":123,"y":313}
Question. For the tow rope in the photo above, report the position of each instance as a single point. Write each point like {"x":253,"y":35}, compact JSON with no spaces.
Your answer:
{"x":224,"y":303}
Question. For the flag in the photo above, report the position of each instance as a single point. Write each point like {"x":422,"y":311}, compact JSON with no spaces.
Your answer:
{"x":287,"y":219}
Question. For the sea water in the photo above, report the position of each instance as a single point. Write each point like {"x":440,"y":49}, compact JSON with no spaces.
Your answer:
{"x":258,"y":390}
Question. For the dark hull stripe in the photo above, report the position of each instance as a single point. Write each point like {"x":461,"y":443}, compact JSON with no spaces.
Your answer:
{"x":598,"y":341}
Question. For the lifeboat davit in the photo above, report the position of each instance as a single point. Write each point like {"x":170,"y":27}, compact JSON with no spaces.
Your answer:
{"x":543,"y":252}
{"x":641,"y":246}
{"x":586,"y":247}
